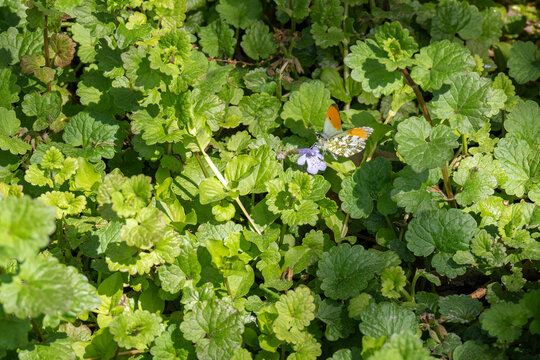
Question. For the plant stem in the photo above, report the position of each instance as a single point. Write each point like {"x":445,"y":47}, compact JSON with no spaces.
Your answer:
{"x":282,"y":234}
{"x":201,"y":164}
{"x":36,"y":330}
{"x":447,"y":187}
{"x":464,"y":143}
{"x":225,"y":184}
{"x":345,"y":227}
{"x":413,"y":285}
{"x":418,"y":94}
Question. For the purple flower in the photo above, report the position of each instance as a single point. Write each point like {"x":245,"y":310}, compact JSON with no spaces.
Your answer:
{"x":314,"y":159}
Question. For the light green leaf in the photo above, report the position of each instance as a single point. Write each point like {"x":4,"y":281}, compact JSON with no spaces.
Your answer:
{"x":393,"y":281}
{"x":172,"y":345}
{"x":522,"y":165}
{"x":211,"y":190}
{"x":145,"y":230}
{"x":66,"y":203}
{"x":44,"y":286}
{"x":423,"y":147}
{"x":25,"y":226}
{"x":136,"y":330}
{"x":403,"y":346}
{"x":9,"y":126}
{"x":63,"y":49}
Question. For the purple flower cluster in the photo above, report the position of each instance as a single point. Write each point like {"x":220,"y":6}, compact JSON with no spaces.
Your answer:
{"x":313,"y":158}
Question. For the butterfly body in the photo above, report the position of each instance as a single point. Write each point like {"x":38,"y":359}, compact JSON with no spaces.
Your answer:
{"x":338,"y":142}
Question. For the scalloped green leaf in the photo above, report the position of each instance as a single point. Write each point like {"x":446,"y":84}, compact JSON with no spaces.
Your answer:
{"x":524,"y":62}
{"x":423,"y":147}
{"x":258,"y":42}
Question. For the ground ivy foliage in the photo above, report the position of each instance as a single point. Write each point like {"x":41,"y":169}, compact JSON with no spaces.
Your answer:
{"x":155,"y":203}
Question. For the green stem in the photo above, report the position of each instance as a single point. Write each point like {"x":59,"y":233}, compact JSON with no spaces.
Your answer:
{"x":201,"y":164}
{"x":169,"y":148}
{"x":447,"y":186}
{"x":418,"y":94}
{"x":36,"y":330}
{"x":406,"y":295}
{"x":413,"y":285}
{"x":464,"y":143}
{"x":225,"y":184}
{"x":345,"y":227}
{"x":283,"y":351}
{"x":391,"y":225}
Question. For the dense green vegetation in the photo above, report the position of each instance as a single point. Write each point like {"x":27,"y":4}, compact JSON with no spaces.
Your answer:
{"x":152,"y":205}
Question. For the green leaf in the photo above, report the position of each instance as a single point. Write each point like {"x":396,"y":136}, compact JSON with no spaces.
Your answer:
{"x":521,"y":122}
{"x":335,"y":316}
{"x":59,"y":348}
{"x":466,"y":101}
{"x":63,"y":49}
{"x":9,"y":126}
{"x":393,"y":281}
{"x":145,"y":230}
{"x":66,"y":203}
{"x":524,"y":62}
{"x":172,"y":345}
{"x":96,"y":133}
{"x":472,"y":349}
{"x":372,"y":74}
{"x":459,"y":308}
{"x":217,"y":39}
{"x":45,"y":107}
{"x":386,"y":319}
{"x":438,"y":62}
{"x":135,"y":330}
{"x":326,"y":36}
{"x":9,"y":90}
{"x":259,"y":112}
{"x":355,"y":201}
{"x":477,"y":176}
{"x":444,"y":230}
{"x":345,"y":271}
{"x":219,"y":319}
{"x":522,"y":165}
{"x":423,"y":147}
{"x":44,"y":286}
{"x":402,"y":346}
{"x":397,"y":45}
{"x":297,"y":9}
{"x":211,"y":190}
{"x":239,"y":13}
{"x":295,"y":312}
{"x":25,"y":226}
{"x":410,"y":189}
{"x":455,"y":17}
{"x":334,"y":82}
{"x":258,"y":42}
{"x":14,"y":45}
{"x":504,"y":320}
{"x":309,"y":102}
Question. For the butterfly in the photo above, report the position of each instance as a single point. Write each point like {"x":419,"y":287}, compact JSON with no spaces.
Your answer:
{"x":337,"y":142}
